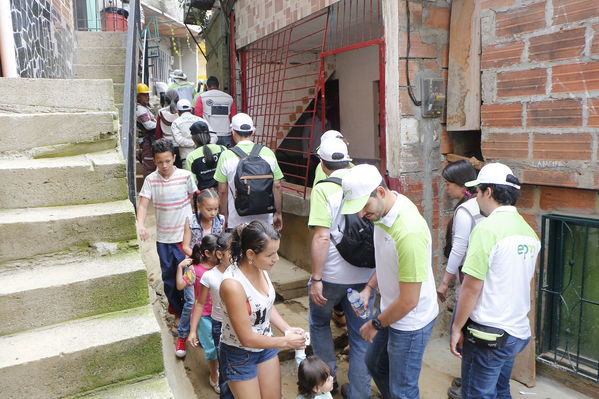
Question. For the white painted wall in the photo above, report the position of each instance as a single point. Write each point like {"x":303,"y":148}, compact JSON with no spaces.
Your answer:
{"x":356,"y":71}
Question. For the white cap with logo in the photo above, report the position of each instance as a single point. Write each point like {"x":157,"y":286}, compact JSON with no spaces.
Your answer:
{"x":493,"y":173}
{"x":358,"y":184}
{"x":183,"y":105}
{"x":242,"y":123}
{"x":333,"y":150}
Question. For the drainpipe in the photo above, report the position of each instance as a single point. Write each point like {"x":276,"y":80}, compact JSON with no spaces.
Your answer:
{"x":7,"y":42}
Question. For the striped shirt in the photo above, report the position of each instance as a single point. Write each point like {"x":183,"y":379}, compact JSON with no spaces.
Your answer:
{"x":171,"y":201}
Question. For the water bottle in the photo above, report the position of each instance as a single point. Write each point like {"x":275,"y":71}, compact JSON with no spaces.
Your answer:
{"x":357,"y":303}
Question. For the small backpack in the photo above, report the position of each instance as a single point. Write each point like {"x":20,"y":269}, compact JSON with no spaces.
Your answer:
{"x":357,"y":244}
{"x":204,"y":173}
{"x":253,"y":183}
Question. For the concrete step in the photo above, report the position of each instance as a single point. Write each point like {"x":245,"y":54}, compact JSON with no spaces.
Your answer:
{"x":81,"y":355}
{"x":100,"y":39}
{"x":152,"y":388}
{"x":99,"y":56}
{"x":35,"y":231}
{"x":114,"y":72}
{"x":55,"y":95}
{"x":66,"y":133}
{"x":81,"y":179}
{"x":119,"y":92}
{"x":289,"y":280}
{"x":47,"y":290}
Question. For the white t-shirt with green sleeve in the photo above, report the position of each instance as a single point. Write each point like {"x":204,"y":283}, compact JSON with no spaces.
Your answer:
{"x":402,"y":245}
{"x":325,"y":211}
{"x":503,"y":252}
{"x":225,"y":173}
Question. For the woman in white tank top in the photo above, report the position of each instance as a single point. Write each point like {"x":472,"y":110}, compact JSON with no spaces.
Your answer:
{"x":248,"y":351}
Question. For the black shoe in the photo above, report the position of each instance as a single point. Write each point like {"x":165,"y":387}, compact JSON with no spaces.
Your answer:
{"x":457,"y":382}
{"x":454,"y":393}
{"x":344,"y":390}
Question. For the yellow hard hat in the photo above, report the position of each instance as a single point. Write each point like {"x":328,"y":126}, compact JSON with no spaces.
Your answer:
{"x":142,"y":88}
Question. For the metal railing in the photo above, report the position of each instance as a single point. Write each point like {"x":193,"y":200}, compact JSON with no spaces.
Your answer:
{"x":129,"y":97}
{"x":104,"y":15}
{"x":568,"y":298}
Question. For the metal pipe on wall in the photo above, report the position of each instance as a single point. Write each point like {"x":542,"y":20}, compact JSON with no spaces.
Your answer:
{"x":8,"y":56}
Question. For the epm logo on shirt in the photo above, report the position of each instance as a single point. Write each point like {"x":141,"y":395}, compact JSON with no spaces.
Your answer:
{"x":527,"y":250}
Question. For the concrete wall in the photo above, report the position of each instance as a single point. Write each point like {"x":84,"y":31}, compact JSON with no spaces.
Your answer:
{"x":356,"y":71}
{"x":44,"y":40}
{"x":540,"y":94}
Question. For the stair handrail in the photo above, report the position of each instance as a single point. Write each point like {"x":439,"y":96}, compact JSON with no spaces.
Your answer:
{"x":129,"y":97}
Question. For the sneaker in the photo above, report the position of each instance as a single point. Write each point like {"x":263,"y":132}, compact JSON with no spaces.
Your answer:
{"x":180,"y":348}
{"x":454,"y":393}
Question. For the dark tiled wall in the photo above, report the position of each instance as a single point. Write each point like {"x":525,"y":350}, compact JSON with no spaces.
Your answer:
{"x":44,"y":40}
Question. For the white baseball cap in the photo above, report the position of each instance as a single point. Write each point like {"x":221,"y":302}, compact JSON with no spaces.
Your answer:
{"x":183,"y":105}
{"x":493,"y":173}
{"x":242,"y":123}
{"x":358,"y":184}
{"x":330,"y":134}
{"x":333,"y":150}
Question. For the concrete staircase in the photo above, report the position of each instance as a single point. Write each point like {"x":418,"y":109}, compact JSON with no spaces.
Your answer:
{"x":101,"y":55}
{"x":74,"y":304}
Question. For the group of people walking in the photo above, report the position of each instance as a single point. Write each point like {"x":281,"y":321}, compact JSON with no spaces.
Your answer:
{"x":217,"y":244}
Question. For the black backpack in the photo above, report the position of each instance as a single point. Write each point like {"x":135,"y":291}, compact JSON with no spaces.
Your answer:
{"x":204,"y":173}
{"x":253,"y":183}
{"x":357,"y":244}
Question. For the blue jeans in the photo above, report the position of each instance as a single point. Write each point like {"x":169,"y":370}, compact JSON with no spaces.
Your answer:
{"x":395,"y":359}
{"x":322,"y":339}
{"x":170,"y":256}
{"x":224,"y":140}
{"x":188,"y":300}
{"x":486,"y":372}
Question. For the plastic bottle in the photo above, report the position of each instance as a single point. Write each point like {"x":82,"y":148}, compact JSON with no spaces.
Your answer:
{"x":357,"y":303}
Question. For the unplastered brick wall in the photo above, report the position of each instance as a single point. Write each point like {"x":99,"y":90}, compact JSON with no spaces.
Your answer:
{"x":540,"y":90}
{"x":256,"y":19}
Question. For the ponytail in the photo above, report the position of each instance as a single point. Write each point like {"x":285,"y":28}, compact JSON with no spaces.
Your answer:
{"x":254,"y":236}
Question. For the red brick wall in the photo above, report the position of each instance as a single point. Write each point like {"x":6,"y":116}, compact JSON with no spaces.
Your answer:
{"x":540,"y":66}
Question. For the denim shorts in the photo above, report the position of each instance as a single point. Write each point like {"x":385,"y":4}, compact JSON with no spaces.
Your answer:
{"x":238,"y":364}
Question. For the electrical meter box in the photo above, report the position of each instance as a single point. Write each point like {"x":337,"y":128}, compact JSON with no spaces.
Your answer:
{"x":432,"y":91}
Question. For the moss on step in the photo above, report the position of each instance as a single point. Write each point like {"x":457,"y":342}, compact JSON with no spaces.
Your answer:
{"x":103,"y":142}
{"x":112,"y":364}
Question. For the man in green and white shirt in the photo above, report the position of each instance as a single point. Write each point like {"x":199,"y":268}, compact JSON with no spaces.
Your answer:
{"x":332,"y":275}
{"x":242,"y":130}
{"x":404,"y":276}
{"x":498,"y":269}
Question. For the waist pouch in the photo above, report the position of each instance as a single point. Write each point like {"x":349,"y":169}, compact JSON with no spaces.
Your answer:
{"x":485,"y":336}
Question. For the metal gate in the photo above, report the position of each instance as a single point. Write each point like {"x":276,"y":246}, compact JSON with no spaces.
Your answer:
{"x":283,"y":77}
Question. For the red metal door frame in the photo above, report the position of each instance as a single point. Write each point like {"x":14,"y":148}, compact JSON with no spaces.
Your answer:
{"x":382,"y":119}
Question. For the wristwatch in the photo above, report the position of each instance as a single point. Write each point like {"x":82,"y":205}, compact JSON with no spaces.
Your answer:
{"x":376,"y":323}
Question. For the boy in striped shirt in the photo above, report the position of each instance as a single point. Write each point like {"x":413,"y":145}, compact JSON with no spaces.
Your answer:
{"x":170,"y":190}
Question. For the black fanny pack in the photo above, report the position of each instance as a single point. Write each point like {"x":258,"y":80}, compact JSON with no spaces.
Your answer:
{"x":485,"y":336}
